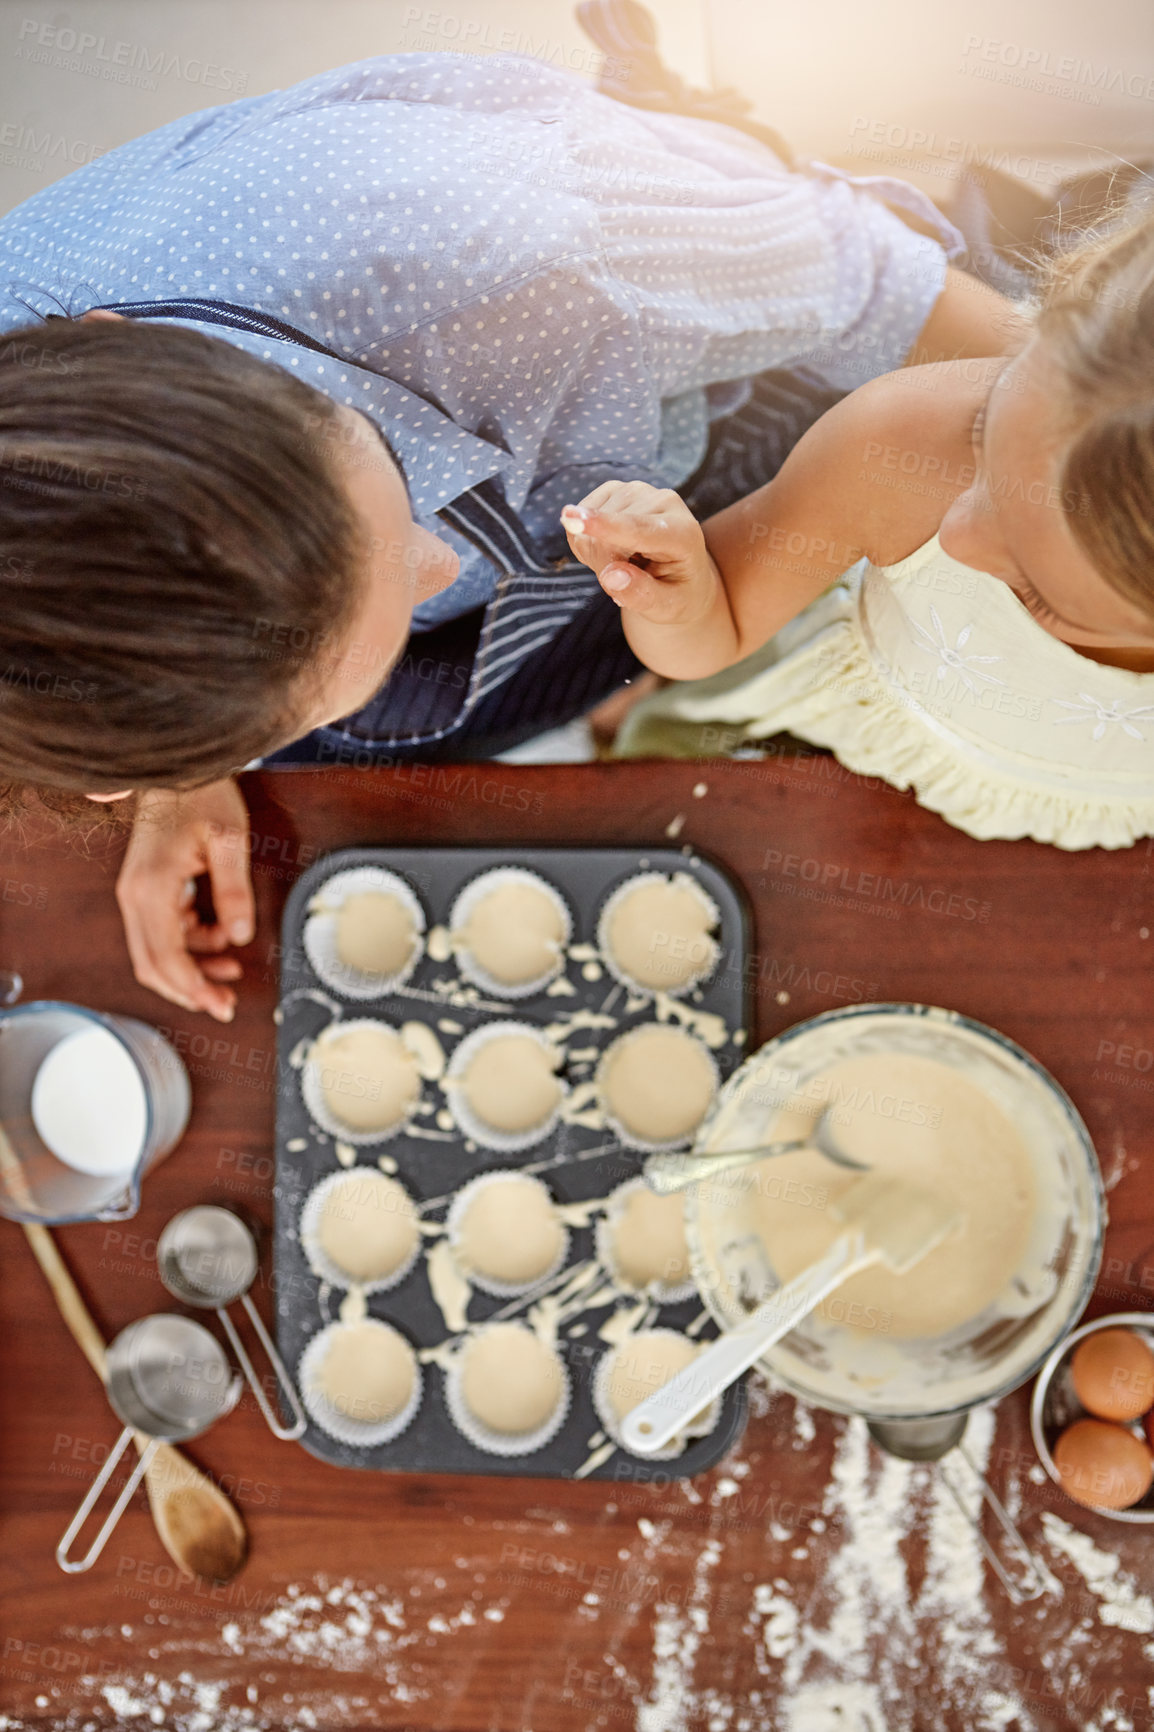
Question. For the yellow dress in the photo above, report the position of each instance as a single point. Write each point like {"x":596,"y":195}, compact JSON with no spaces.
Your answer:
{"x":935,"y":677}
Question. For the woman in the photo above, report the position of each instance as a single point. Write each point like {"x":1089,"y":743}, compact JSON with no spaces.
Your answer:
{"x":543,"y":291}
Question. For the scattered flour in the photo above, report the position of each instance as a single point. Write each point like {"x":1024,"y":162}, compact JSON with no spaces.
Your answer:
{"x":781,"y":1619}
{"x":1120,"y":1602}
{"x":341,"y":1627}
{"x":902,"y":1595}
{"x":804,"y":1429}
{"x":834,"y":1708}
{"x":895,"y":1596}
{"x":852,"y":1656}
{"x":677,"y":1632}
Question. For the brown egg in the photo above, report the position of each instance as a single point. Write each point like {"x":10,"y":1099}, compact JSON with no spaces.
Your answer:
{"x":1103,"y":1465}
{"x":1113,"y":1374}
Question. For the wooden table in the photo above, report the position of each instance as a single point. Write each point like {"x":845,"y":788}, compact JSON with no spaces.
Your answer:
{"x":768,"y":1593}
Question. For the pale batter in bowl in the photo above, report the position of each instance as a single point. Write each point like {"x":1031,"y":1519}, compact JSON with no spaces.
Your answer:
{"x":910,"y":1118}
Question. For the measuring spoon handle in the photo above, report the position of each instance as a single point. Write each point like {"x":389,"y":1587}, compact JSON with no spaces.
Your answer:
{"x":666,"y":1174}
{"x":73,"y":1566}
{"x":284,"y":1381}
{"x":669,"y":1409}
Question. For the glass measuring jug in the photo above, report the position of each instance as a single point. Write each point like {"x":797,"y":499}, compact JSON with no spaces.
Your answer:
{"x":88,"y":1103}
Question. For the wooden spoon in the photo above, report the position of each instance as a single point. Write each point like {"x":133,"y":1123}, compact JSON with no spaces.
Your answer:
{"x":199,"y":1527}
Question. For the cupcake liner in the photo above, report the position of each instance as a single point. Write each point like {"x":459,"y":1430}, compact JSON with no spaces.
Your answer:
{"x":319,"y":935}
{"x":665,"y":1293}
{"x":318,"y":1107}
{"x":501,"y":1442}
{"x":453,"y":1221}
{"x":361,"y":1433}
{"x":463,"y":906}
{"x":613,"y":902}
{"x":622,"y":1131}
{"x":310,"y":1221}
{"x":608,"y":1417}
{"x":504,"y":1142}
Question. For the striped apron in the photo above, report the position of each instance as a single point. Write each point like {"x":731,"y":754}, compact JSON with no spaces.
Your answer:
{"x":549,"y":645}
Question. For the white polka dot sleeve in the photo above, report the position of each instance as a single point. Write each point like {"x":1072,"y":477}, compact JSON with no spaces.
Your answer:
{"x":540,"y":277}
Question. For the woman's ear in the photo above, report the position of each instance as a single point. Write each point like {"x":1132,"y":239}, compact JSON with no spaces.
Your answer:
{"x":100,"y":313}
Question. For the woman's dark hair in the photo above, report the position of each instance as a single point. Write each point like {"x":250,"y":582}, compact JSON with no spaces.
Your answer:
{"x":176,"y":553}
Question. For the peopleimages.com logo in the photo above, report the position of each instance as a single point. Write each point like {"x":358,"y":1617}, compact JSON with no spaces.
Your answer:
{"x":119,"y":61}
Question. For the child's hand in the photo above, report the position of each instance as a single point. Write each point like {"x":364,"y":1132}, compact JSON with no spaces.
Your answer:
{"x":647,"y":549}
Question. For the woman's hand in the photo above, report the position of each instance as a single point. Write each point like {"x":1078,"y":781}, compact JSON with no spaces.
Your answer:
{"x":175,"y":839}
{"x":647,"y":549}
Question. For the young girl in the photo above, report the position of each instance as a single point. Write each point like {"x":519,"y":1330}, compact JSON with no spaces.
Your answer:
{"x":990,"y":640}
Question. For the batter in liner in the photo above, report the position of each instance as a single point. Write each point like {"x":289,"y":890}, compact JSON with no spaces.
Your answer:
{"x":658,"y":932}
{"x":368,"y":1225}
{"x":514,"y":932}
{"x":509,"y":1230}
{"x":510,"y":1380}
{"x":913,"y":1118}
{"x":656,"y":1082}
{"x":375,"y":932}
{"x":367,"y":1372}
{"x":510,"y":1082}
{"x":647,"y":1239}
{"x":368,"y":1077}
{"x":644,"y":1363}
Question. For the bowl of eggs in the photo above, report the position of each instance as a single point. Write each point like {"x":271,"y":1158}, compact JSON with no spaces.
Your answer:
{"x":1092,"y":1416}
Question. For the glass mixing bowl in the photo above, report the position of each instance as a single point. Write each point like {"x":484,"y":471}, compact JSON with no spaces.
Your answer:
{"x":865,"y":1371}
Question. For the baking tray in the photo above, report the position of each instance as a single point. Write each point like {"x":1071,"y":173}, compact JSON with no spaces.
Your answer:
{"x":436,"y":1168}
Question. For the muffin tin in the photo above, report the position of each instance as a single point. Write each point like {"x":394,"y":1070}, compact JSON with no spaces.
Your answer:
{"x":434,"y":1159}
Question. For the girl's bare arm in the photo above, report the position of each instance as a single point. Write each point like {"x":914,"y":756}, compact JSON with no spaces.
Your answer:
{"x":874,"y":476}
{"x":967,"y":319}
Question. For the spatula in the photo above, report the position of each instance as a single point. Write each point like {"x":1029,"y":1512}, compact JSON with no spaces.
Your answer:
{"x":885,"y":1220}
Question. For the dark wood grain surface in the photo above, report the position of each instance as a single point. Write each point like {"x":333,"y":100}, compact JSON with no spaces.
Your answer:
{"x":805,"y":1584}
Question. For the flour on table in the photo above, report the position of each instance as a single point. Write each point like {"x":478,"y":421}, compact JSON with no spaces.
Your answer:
{"x":850,"y":1655}
{"x":1120,"y":1602}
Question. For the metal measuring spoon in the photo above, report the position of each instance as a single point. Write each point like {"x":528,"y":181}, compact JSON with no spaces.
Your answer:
{"x":666,"y":1174}
{"x":168,"y":1378}
{"x":198,"y":1526}
{"x":208,"y":1257}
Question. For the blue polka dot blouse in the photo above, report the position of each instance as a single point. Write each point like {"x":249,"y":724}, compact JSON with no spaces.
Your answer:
{"x":530,"y":280}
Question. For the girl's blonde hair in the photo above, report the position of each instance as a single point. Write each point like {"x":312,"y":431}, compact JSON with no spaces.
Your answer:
{"x":1096,"y":320}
